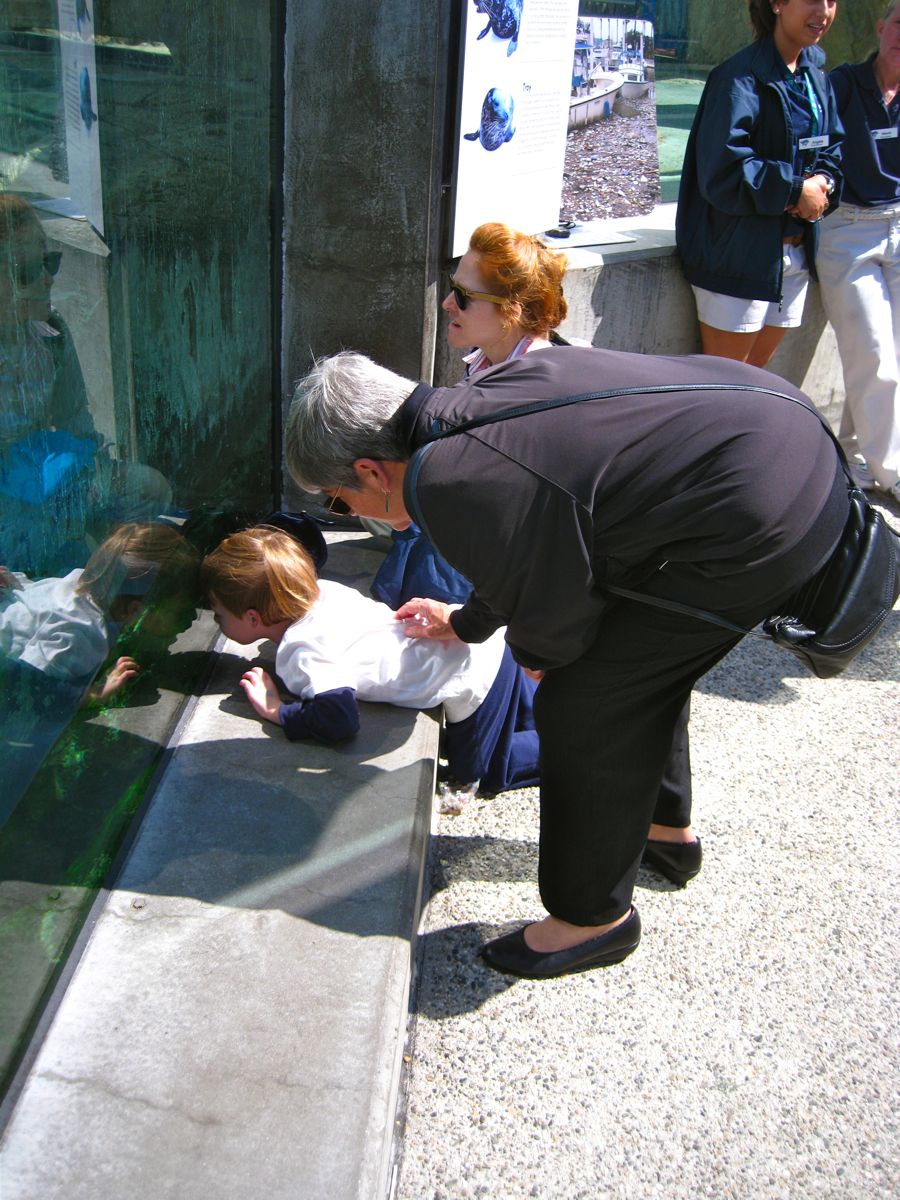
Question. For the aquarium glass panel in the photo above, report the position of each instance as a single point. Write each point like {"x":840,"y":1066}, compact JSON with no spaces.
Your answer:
{"x":137,"y":417}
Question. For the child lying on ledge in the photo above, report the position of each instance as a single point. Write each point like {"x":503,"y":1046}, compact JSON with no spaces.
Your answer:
{"x":336,"y":646}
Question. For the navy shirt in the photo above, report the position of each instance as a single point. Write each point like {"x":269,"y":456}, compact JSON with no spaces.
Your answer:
{"x":871,"y":162}
{"x":806,"y":121}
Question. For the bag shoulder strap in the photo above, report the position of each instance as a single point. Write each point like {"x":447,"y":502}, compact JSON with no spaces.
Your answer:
{"x":685,"y":610}
{"x":524,"y":410}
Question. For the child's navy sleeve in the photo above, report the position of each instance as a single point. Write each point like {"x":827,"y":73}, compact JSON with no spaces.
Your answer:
{"x":329,"y":717}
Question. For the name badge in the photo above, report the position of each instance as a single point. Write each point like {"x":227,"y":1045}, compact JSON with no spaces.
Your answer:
{"x":813,"y":143}
{"x":881,"y":135}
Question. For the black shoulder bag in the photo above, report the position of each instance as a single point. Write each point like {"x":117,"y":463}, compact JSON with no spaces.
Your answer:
{"x":834,"y":614}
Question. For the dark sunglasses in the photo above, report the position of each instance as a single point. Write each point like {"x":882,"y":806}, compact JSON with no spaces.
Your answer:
{"x":28,"y":272}
{"x":462,"y":295}
{"x":338,"y":507}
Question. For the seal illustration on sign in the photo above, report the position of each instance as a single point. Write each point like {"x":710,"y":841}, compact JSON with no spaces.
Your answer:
{"x":504,"y":18}
{"x":497,"y":123}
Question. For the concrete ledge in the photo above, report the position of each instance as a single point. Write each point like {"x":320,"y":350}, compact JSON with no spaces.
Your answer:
{"x":235,"y":1026}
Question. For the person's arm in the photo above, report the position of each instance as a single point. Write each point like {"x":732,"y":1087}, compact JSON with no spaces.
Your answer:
{"x":829,"y":163}
{"x":732,"y":175}
{"x":424,"y":618}
{"x":536,"y":566}
{"x":475,"y":621}
{"x":818,"y":193}
{"x":812,"y":201}
{"x":329,"y":717}
{"x":470,"y":622}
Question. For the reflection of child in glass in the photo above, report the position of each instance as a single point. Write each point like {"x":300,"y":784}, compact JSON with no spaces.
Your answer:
{"x":66,"y":627}
{"x":336,"y":646}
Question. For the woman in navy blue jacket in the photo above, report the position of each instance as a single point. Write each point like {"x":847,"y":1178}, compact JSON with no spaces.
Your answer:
{"x":762,"y":166}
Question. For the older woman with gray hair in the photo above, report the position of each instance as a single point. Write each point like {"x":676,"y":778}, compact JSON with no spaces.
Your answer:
{"x":700,"y":480}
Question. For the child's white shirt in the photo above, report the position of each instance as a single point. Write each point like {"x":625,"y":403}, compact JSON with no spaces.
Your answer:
{"x":50,"y":626}
{"x":350,"y":640}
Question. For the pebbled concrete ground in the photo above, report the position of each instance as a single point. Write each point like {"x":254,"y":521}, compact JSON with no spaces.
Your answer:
{"x":749,"y":1049}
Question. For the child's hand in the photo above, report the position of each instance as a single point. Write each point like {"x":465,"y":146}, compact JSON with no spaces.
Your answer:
{"x":260,"y":690}
{"x":426,"y":619}
{"x":123,"y":670}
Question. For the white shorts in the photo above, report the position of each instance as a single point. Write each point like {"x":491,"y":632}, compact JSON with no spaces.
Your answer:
{"x":736,"y":315}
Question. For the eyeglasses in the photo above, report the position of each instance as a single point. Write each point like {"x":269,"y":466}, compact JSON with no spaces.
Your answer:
{"x":338,"y":507}
{"x":462,"y":295}
{"x":30,"y":270}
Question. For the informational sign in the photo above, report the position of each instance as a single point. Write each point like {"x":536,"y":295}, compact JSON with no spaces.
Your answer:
{"x":513,"y":114}
{"x":79,"y":90}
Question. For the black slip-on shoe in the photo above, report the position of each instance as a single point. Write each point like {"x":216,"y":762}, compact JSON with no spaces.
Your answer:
{"x":514,"y":956}
{"x":676,"y":861}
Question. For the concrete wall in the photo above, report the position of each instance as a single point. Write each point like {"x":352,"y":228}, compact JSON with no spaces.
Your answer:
{"x":186,"y":151}
{"x":365,"y":94}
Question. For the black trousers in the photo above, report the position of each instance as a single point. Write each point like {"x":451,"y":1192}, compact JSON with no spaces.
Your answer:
{"x":614,"y":752}
{"x":614,"y":755}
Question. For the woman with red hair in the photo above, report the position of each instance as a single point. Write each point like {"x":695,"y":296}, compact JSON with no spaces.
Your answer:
{"x":505,"y":300}
{"x":506,"y":297}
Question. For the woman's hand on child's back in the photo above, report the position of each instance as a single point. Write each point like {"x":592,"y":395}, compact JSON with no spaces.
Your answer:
{"x":426,"y":619}
{"x":262,"y":693}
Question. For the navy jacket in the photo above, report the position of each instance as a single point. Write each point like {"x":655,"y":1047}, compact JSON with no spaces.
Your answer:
{"x":738,"y":174}
{"x":871,"y":165}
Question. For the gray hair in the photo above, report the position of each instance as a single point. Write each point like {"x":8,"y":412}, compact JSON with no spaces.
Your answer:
{"x":890,"y":8}
{"x":344,"y":409}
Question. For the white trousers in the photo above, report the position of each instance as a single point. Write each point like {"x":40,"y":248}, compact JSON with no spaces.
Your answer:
{"x":858,"y":264}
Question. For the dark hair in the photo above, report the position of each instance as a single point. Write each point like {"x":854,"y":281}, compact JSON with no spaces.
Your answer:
{"x":761,"y":17}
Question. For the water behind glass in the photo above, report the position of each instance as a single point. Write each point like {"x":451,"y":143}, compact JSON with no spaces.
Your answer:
{"x":136,"y":404}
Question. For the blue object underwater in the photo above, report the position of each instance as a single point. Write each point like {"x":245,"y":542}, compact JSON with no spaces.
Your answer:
{"x":87,"y":111}
{"x":82,"y":14}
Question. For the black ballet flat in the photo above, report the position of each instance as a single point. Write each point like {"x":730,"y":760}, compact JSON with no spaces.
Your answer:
{"x":678,"y":862}
{"x":514,"y":956}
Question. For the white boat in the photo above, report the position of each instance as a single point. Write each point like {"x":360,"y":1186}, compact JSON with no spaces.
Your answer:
{"x":634,"y":84}
{"x":597,"y":102}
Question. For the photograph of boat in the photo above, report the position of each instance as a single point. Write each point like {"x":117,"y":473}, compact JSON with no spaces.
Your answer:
{"x":609,"y":62}
{"x":635,"y":80}
{"x":612,"y":164}
{"x":597,"y":102}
